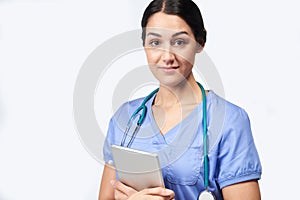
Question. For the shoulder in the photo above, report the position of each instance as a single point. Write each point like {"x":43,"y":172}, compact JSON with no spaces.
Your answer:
{"x":120,"y":118}
{"x":127,"y":108}
{"x":232,"y":111}
{"x":236,"y":151}
{"x":228,"y":122}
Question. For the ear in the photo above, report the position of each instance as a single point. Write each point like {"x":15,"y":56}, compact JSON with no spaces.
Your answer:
{"x":200,"y":45}
{"x":199,"y":48}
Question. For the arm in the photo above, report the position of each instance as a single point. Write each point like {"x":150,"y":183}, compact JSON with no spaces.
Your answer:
{"x":106,"y":189}
{"x":248,"y":190}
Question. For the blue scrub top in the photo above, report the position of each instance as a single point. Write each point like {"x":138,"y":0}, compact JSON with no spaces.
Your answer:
{"x":232,"y":154}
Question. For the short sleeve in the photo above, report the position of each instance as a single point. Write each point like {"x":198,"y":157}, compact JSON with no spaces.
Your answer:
{"x":238,"y":158}
{"x":108,"y":141}
{"x":115,"y":130}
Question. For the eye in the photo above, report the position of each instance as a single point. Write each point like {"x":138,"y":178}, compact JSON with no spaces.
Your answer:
{"x":154,"y":43}
{"x":178,"y":42}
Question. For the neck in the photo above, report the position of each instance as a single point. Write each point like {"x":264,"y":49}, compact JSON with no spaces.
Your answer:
{"x":185,"y":93}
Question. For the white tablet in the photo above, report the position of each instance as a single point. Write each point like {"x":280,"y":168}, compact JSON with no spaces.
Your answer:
{"x":138,"y":169}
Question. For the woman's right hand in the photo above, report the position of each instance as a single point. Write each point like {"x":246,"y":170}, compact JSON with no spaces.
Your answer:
{"x":157,"y":193}
{"x":124,"y":192}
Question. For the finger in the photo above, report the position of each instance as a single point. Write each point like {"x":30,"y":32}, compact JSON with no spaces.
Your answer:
{"x":159,"y":191}
{"x":122,"y":187}
{"x":154,"y":197}
{"x":138,"y":196}
{"x":119,"y":195}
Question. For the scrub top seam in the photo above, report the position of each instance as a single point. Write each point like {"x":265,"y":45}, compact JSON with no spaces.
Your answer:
{"x":245,"y":175}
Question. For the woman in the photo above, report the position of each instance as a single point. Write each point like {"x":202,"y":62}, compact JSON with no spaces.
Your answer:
{"x":173,"y":32}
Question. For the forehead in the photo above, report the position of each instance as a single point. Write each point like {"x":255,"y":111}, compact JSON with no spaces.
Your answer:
{"x":172,"y":23}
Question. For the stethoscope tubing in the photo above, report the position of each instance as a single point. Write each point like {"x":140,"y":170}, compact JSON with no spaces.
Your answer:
{"x":143,"y":109}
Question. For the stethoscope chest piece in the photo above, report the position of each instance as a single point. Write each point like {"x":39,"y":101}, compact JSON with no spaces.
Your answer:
{"x":206,"y":195}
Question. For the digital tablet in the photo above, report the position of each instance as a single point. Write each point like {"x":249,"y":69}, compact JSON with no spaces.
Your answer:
{"x":137,"y":169}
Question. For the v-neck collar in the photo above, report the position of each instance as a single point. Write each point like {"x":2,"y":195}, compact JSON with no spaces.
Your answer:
{"x":172,"y":134}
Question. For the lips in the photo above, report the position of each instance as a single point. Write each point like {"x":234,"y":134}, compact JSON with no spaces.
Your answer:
{"x":168,"y":68}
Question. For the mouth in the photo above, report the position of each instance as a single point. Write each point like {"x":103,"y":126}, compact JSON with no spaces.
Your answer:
{"x":168,"y":68}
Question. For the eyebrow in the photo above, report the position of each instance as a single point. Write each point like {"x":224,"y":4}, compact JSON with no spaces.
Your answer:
{"x":179,"y":33}
{"x":174,"y":35}
{"x":154,"y":34}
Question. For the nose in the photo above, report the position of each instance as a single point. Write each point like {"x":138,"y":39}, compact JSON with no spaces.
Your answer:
{"x":168,"y":57}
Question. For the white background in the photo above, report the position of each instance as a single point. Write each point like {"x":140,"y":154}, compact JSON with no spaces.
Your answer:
{"x":255,"y":46}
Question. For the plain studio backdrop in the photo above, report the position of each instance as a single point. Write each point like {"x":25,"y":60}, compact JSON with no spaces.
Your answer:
{"x":255,"y":46}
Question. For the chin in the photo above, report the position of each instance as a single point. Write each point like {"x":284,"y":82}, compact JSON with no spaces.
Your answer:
{"x":172,"y":82}
{"x":171,"y":79}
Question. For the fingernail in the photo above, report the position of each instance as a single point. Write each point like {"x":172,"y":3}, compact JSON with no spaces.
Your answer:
{"x":167,"y":192}
{"x":112,"y":182}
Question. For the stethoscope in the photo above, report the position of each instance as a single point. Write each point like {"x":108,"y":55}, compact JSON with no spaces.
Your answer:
{"x":204,"y":195}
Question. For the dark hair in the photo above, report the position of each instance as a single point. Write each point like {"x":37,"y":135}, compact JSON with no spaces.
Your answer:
{"x":185,"y":9}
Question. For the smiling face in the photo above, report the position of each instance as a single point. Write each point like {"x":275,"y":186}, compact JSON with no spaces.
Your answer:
{"x":170,"y":48}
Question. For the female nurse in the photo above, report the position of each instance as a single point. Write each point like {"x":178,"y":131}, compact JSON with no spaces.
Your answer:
{"x":173,"y":33}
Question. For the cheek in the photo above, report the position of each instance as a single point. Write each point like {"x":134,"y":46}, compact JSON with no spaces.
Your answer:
{"x":187,"y":58}
{"x":152,"y":56}
{"x":184,"y":56}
